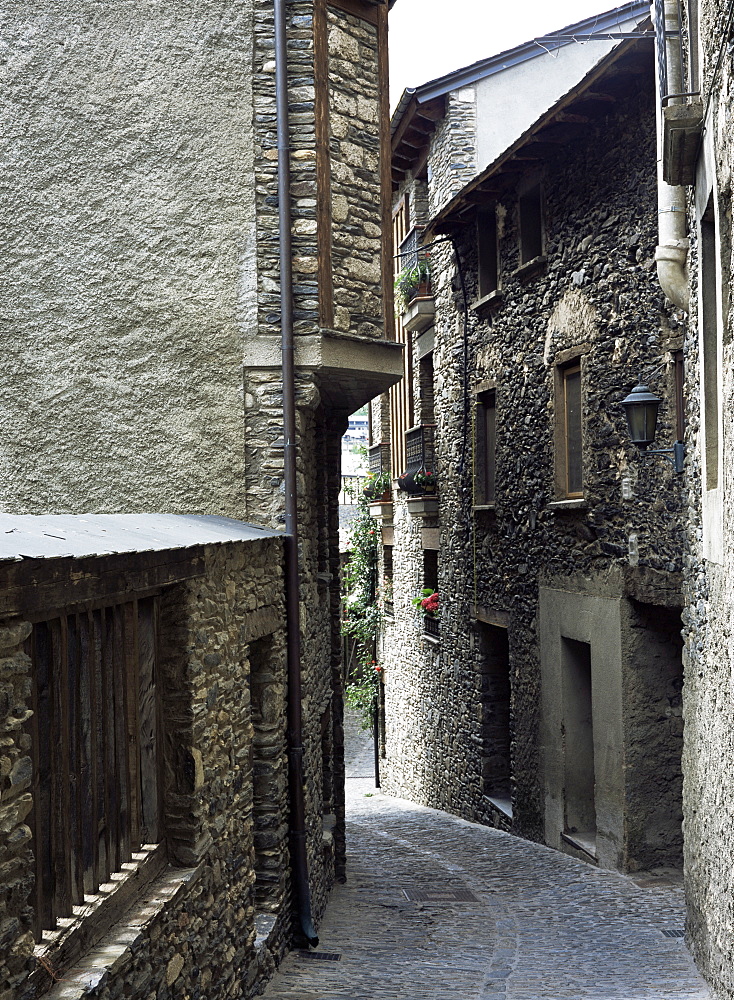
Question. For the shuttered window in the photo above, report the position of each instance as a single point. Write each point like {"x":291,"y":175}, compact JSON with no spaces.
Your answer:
{"x":96,"y":750}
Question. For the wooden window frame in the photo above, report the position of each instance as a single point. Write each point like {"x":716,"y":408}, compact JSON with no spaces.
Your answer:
{"x":562,"y":457}
{"x":531,"y":226}
{"x":485,"y":448}
{"x":488,"y":256}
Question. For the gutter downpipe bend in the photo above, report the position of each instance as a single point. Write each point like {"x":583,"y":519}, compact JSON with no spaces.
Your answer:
{"x":671,"y":255}
{"x":299,"y":857}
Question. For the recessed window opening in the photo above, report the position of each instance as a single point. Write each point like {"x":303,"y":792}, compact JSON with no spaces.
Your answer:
{"x":487,"y":253}
{"x":531,"y":224}
{"x":430,"y":569}
{"x":484,"y":465}
{"x":710,"y":344}
{"x":426,"y":403}
{"x":387,"y":579}
{"x":571,"y":381}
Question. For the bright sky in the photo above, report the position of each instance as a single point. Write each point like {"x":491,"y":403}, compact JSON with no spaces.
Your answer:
{"x":431,"y":37}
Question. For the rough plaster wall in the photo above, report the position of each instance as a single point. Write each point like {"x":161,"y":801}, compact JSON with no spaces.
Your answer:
{"x":127,"y":254}
{"x":708,"y":618}
{"x":600,"y":292}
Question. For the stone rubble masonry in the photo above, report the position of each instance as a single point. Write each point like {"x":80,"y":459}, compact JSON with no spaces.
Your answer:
{"x":709,"y":583}
{"x":453,"y":149}
{"x":192,"y":932}
{"x":355,"y":174}
{"x":299,"y":26}
{"x":597,"y":297}
{"x":16,"y":802}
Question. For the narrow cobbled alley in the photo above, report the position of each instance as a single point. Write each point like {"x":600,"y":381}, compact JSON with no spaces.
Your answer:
{"x":437,"y":908}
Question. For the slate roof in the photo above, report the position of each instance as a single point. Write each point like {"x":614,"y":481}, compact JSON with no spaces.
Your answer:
{"x":56,"y":536}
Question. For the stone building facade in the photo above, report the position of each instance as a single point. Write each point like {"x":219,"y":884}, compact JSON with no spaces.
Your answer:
{"x":555,"y":664}
{"x":696,"y":154}
{"x":204,"y":610}
{"x":143,"y":333}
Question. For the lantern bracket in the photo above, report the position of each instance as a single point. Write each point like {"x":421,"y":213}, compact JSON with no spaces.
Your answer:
{"x":675,"y":455}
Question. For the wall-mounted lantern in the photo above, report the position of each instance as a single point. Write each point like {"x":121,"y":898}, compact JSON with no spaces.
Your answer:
{"x":641,"y":409}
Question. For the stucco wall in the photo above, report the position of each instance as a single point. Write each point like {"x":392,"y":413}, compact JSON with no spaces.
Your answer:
{"x":127,"y":253}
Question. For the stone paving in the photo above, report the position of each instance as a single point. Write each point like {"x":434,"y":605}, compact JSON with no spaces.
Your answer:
{"x":500,"y":918}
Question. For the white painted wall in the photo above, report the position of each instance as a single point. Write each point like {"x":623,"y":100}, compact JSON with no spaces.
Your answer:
{"x":510,"y":101}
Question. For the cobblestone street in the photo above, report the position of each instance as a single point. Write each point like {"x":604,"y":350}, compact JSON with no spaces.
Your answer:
{"x":500,"y":918}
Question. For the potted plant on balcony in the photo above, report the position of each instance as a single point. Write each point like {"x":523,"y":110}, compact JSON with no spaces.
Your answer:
{"x":413,"y":281}
{"x":419,"y":484}
{"x":378,"y":487}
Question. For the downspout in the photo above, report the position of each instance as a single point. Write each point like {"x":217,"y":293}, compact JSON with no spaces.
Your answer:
{"x":671,"y":255}
{"x":299,"y":858}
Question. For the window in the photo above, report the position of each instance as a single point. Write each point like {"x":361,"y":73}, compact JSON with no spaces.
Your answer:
{"x":425,"y":386}
{"x":530,"y":210}
{"x":712,"y":309}
{"x":401,"y":394}
{"x":484,"y":454}
{"x":430,"y":569}
{"x":487,"y":255}
{"x":387,"y":579}
{"x":430,"y":582}
{"x":569,"y":434}
{"x":96,"y":747}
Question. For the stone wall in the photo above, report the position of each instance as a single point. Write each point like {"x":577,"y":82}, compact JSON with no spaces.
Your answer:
{"x":192,"y":930}
{"x":453,"y":149}
{"x":709,"y":578}
{"x":355,"y":174}
{"x":597,"y":299}
{"x":16,"y":919}
{"x":303,"y":170}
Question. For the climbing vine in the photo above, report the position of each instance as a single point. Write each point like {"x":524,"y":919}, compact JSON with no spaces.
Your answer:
{"x":361,"y":617}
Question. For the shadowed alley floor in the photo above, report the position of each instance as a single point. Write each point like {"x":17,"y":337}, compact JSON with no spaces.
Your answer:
{"x":500,"y":918}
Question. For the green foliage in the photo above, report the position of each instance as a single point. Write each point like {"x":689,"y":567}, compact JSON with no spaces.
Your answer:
{"x":361,"y":618}
{"x":374,"y":486}
{"x":409,"y":279}
{"x":425,"y":479}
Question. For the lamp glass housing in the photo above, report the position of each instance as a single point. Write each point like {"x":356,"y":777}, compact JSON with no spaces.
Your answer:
{"x":641,"y":408}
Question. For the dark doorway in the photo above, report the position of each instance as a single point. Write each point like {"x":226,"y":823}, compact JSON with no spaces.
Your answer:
{"x":493,"y":666}
{"x":578,"y":744}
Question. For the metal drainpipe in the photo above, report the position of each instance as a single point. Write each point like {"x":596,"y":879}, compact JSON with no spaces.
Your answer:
{"x":299,"y":859}
{"x":671,"y":255}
